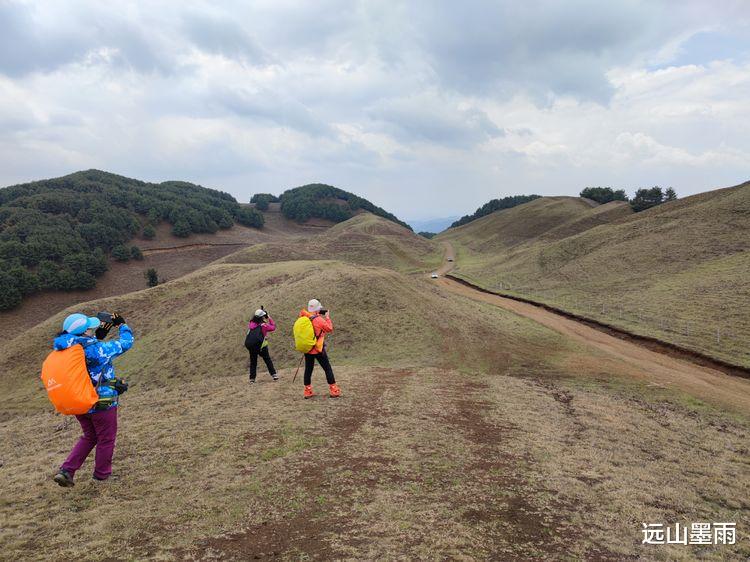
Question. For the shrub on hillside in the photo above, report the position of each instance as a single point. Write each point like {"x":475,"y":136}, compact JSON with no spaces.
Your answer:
{"x":149,"y":233}
{"x":495,"y":205}
{"x":152,"y":278}
{"x":604,"y":194}
{"x":249,"y":217}
{"x":261,"y":200}
{"x":10,"y":295}
{"x":135,"y":253}
{"x":121,"y":253}
{"x":181,"y":228}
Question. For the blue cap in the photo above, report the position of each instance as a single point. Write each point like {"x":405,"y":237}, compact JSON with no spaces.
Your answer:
{"x":76,"y":324}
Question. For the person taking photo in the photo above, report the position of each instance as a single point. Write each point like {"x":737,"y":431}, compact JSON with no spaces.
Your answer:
{"x":99,"y":424}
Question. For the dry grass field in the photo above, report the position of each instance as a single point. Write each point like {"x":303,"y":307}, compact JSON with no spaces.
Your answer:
{"x":465,"y":431}
{"x":365,"y":239}
{"x":679,"y":272}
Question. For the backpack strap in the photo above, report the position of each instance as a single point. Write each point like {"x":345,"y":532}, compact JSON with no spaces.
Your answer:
{"x":321,"y":330}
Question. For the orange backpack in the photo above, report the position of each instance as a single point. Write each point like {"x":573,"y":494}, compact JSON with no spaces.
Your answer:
{"x":67,"y":381}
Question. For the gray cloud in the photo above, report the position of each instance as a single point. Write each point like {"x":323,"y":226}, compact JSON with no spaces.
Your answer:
{"x":412,"y":119}
{"x":274,"y":107}
{"x":222,"y":35}
{"x":401,"y":101}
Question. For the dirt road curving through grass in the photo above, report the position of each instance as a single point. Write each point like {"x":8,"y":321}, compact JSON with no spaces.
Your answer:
{"x":709,"y":385}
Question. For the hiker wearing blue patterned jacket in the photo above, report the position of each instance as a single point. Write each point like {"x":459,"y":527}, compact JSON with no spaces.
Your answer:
{"x":99,"y":425}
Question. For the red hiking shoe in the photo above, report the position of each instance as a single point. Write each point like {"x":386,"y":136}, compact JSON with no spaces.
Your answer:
{"x":309,"y":391}
{"x":335,"y":390}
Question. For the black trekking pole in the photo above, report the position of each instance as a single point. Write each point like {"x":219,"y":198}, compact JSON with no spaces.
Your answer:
{"x":294,"y":378}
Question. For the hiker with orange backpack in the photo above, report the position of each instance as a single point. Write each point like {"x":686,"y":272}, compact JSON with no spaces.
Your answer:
{"x":99,"y":422}
{"x":310,"y":331}
{"x":257,"y":343}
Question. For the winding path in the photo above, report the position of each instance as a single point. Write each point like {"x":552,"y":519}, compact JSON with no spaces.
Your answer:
{"x":705,"y":383}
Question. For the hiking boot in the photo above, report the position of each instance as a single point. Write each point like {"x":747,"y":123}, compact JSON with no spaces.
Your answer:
{"x":275,"y":377}
{"x":335,"y":390}
{"x":98,"y":480}
{"x":64,"y":478}
{"x":309,"y":391}
{"x":252,"y":381}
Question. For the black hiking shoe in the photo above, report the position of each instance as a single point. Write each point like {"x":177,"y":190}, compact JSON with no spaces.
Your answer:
{"x":64,"y":478}
{"x":252,"y":381}
{"x":275,"y":377}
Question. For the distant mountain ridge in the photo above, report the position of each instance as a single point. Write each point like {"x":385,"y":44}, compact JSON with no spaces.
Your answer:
{"x":432,"y":225}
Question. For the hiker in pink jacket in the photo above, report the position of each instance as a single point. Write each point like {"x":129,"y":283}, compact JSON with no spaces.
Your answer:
{"x":257,"y":344}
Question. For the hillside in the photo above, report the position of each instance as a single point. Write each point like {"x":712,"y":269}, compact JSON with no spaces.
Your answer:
{"x":365,"y":239}
{"x":489,"y":442}
{"x":317,"y":200}
{"x":171,"y":256}
{"x":679,"y":272}
{"x":58,"y":234}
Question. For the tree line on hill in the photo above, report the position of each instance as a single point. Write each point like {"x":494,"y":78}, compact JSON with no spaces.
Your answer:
{"x":261,"y":200}
{"x":56,"y":234}
{"x":495,"y":205}
{"x":643,"y":199}
{"x":321,"y":201}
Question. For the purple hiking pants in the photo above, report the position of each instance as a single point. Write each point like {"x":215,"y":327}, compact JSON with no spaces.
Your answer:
{"x":99,"y":430}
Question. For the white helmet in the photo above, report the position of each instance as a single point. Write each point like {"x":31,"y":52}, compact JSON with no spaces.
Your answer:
{"x":260,"y":313}
{"x":314,"y":305}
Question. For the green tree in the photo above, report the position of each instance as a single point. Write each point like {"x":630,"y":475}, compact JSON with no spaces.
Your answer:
{"x":249,"y":217}
{"x":149,"y":232}
{"x":25,"y":281}
{"x":135,"y":253}
{"x":121,"y":253}
{"x":604,"y":194}
{"x":182,"y":228}
{"x":647,"y":198}
{"x":10,"y":296}
{"x":152,"y":278}
{"x":670,"y":194}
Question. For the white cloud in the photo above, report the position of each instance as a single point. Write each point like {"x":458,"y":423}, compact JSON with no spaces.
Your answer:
{"x":414,"y":105}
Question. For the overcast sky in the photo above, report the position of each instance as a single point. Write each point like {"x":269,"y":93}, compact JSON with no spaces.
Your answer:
{"x":426,"y":108}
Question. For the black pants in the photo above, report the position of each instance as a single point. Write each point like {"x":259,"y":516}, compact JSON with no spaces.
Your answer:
{"x":324,"y":362}
{"x":254,"y":363}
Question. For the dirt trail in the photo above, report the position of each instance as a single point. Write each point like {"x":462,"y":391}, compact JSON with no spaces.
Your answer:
{"x":704,"y":383}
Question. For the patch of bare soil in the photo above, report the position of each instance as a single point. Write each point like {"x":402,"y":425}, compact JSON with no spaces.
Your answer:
{"x":307,"y":530}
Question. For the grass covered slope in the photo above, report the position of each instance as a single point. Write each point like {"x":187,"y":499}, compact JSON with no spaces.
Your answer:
{"x":679,"y":272}
{"x":491,"y":442}
{"x":545,"y":218}
{"x":365,"y":239}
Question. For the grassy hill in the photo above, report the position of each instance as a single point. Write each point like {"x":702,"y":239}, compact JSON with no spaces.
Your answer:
{"x":364,"y":239}
{"x":56,"y":234}
{"x":465,"y":431}
{"x":443,"y":445}
{"x":679,"y":272}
